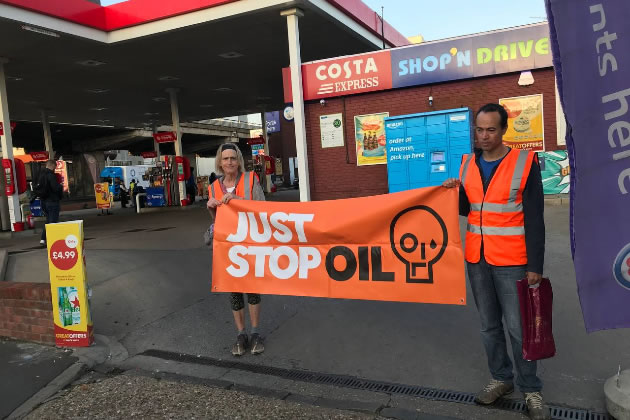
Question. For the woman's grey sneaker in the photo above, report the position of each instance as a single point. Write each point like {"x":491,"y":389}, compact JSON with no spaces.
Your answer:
{"x":240,"y":347}
{"x":257,"y":344}
{"x":493,"y":391}
{"x":536,"y":406}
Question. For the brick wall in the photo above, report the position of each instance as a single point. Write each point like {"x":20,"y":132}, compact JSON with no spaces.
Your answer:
{"x":334,"y":172}
{"x":26,"y":312}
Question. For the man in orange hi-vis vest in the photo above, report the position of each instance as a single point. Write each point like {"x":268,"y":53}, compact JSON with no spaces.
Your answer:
{"x":501,"y":193}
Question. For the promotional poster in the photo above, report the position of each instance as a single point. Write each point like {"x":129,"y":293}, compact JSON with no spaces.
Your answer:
{"x":525,"y":122}
{"x":103,"y":195}
{"x":369,"y":135}
{"x":68,"y":284}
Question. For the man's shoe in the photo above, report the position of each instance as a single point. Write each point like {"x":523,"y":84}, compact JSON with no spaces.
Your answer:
{"x":257,"y":344}
{"x":493,"y":391}
{"x":42,"y":242}
{"x":536,"y":406}
{"x":240,"y":347}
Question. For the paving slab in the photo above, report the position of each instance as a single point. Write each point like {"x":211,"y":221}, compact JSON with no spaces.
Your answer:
{"x":25,"y":368}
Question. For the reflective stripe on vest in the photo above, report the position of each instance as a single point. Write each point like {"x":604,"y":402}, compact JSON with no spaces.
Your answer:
{"x":248,"y":191}
{"x":465,"y":166}
{"x":496,"y":220}
{"x":497,"y":208}
{"x":499,"y":231}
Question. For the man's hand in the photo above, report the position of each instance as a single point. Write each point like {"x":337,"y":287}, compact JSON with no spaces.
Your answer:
{"x":213,"y":203}
{"x":452,"y":183}
{"x":533,"y":278}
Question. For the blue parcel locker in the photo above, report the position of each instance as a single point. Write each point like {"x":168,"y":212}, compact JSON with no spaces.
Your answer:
{"x":425,"y":149}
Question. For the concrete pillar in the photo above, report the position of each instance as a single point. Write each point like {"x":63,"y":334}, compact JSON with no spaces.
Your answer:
{"x":178,"y":133}
{"x":263,"y":119}
{"x":617,"y":392}
{"x":156,"y":145}
{"x":7,"y":145}
{"x":47,"y":135}
{"x":293,"y":16}
{"x":4,"y":207}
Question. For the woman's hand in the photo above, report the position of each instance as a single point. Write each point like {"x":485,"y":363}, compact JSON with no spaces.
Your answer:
{"x":213,"y":203}
{"x":230,"y":196}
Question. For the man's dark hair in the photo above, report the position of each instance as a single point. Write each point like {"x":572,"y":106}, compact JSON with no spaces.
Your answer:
{"x":487,"y":108}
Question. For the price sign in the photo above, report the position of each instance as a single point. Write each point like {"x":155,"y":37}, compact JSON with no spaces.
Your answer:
{"x":68,"y":283}
{"x":62,"y":256}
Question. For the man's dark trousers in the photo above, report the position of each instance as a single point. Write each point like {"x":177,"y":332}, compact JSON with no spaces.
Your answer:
{"x":52,"y":214}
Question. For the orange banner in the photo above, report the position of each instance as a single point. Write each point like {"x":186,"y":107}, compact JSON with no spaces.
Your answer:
{"x":402,"y":247}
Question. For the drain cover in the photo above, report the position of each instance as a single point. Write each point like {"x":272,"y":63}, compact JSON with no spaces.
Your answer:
{"x":559,"y":413}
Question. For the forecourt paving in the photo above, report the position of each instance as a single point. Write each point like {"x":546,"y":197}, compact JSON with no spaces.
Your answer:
{"x":152,"y":291}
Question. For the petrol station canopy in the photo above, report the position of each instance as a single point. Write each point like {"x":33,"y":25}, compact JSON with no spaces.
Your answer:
{"x":85,"y":63}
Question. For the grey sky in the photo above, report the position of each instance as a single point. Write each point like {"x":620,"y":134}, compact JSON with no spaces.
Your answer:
{"x":448,"y":18}
{"x":108,"y":2}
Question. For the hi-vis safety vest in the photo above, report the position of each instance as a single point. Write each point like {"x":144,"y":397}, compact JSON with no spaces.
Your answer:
{"x":244,"y":187}
{"x":496,"y":219}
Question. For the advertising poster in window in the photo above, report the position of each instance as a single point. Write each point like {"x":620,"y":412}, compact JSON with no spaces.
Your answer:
{"x":369,"y":135}
{"x":525,"y":122}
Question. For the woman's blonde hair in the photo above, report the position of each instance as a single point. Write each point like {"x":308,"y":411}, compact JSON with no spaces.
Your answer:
{"x":239,"y":156}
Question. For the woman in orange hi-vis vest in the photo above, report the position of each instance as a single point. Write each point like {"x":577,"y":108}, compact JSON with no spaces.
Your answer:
{"x":234,"y":183}
{"x":501,"y":193}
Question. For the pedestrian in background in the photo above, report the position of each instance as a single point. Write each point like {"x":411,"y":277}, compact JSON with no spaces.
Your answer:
{"x":191,"y":186}
{"x":50,"y":191}
{"x":236,"y":184}
{"x":132,"y":192}
{"x":501,"y":193}
{"x":124,"y":197}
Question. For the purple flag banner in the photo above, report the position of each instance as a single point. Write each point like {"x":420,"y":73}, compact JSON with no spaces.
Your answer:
{"x":590,"y":41}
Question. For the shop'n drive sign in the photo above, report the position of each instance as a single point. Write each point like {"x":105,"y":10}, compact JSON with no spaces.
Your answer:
{"x":344,"y":76}
{"x":496,"y":52}
{"x":407,"y":248}
{"x":165,"y":137}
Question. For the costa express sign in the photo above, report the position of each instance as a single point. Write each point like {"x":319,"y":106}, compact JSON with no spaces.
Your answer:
{"x":406,"y":249}
{"x":343,"y":76}
{"x":498,"y":52}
